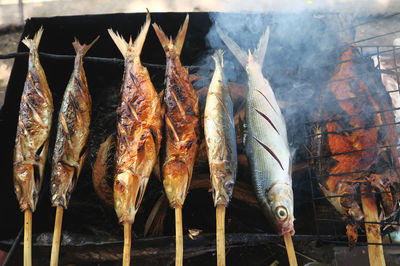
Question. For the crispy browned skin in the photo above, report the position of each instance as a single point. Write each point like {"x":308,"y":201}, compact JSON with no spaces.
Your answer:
{"x":34,"y":123}
{"x":342,"y":173}
{"x":70,"y":149}
{"x":181,"y":121}
{"x":138,"y":129}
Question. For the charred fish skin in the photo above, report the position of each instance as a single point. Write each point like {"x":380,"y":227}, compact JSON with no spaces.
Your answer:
{"x":33,"y":130}
{"x":70,"y":149}
{"x":219,"y":131}
{"x":139,"y":125}
{"x":358,"y":104}
{"x":181,"y":120}
{"x":266,"y":142}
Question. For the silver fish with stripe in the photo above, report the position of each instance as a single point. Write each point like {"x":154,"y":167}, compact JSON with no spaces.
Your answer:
{"x":266,"y":142}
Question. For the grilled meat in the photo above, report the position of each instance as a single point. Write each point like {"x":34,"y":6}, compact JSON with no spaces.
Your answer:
{"x":181,"y":120}
{"x":266,"y":142}
{"x":34,"y":123}
{"x":138,"y":129}
{"x":219,"y":131}
{"x":70,"y":150}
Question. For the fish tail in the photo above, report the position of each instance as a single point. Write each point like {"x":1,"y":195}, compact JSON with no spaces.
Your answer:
{"x":137,"y":45}
{"x":34,"y":43}
{"x":167,"y":43}
{"x":218,"y":57}
{"x":82,"y":49}
{"x":259,"y":53}
{"x":242,"y":57}
{"x":119,"y":42}
{"x":233,"y":46}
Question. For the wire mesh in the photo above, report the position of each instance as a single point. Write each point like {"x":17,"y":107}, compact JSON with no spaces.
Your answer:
{"x":326,"y":218}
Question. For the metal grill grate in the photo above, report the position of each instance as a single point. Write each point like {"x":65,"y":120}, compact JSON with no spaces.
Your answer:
{"x":331,"y":222}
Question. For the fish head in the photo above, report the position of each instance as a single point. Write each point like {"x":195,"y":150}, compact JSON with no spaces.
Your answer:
{"x":278,"y":206}
{"x":127,"y":196}
{"x":26,"y":185}
{"x":175,"y":181}
{"x":63,"y":181}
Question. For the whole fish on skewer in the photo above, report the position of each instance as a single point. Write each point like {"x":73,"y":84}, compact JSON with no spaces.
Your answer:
{"x":219,"y":131}
{"x":34,"y":123}
{"x":139,"y":134}
{"x":182,"y":128}
{"x":138,"y":129}
{"x":32,"y":139}
{"x":70,"y":150}
{"x":181,"y":120}
{"x":266,"y":142}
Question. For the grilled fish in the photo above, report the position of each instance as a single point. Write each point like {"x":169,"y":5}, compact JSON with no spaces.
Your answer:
{"x":181,"y":120}
{"x":34,"y":123}
{"x":70,"y":150}
{"x":266,"y":142}
{"x":219,"y":131}
{"x":138,"y":128}
{"x":356,"y":141}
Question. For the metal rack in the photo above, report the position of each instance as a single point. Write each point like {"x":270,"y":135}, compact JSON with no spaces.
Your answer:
{"x":334,"y":223}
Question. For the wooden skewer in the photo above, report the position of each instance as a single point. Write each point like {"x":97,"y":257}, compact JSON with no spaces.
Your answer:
{"x":290,"y":249}
{"x":127,"y":244}
{"x":179,"y":237}
{"x":55,"y":248}
{"x":220,"y":216}
{"x":375,"y":252}
{"x":28,"y":238}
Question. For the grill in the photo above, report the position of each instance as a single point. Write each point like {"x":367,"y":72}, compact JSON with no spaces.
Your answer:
{"x":325,"y":223}
{"x":90,"y":229}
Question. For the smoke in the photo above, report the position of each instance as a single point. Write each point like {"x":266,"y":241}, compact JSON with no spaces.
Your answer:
{"x":300,"y":58}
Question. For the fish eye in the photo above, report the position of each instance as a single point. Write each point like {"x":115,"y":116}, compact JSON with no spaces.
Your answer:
{"x":281,"y":213}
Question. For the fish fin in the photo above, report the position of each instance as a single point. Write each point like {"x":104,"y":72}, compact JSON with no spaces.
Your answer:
{"x":232,"y":45}
{"x":119,"y":42}
{"x":259,"y":52}
{"x":194,"y":77}
{"x":161,"y":36}
{"x":179,"y":40}
{"x":218,"y":57}
{"x":180,"y":37}
{"x":82,"y":49}
{"x":34,"y":43}
{"x":82,"y":157}
{"x":138,"y":44}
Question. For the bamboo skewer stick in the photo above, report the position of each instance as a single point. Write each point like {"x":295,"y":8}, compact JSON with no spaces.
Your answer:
{"x":28,"y":238}
{"x":220,"y":216}
{"x":290,"y":249}
{"x":375,"y":252}
{"x":55,"y":248}
{"x":127,"y":244}
{"x":179,"y":237}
